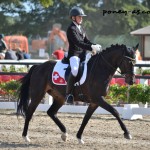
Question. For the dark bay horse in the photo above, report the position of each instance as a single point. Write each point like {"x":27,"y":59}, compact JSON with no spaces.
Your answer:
{"x":100,"y":70}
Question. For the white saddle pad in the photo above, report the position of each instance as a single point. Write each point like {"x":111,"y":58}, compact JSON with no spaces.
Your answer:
{"x":58,"y":74}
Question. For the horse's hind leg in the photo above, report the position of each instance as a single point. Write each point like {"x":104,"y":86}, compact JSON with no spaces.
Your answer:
{"x":28,"y":117}
{"x":52,"y":112}
{"x":115,"y":113}
{"x":31,"y":109}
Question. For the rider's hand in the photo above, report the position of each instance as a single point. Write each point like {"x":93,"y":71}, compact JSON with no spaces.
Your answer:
{"x":94,"y":52}
{"x":97,"y":48}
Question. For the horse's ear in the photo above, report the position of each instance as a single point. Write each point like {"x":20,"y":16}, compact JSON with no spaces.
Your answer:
{"x":136,"y":47}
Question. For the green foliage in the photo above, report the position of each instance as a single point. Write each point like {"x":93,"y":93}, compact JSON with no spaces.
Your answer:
{"x":139,"y":93}
{"x":46,"y":3}
{"x":135,"y":94}
{"x":107,"y":40}
{"x":12,"y":68}
{"x":4,"y":68}
{"x":10,"y":88}
{"x":146,"y":72}
{"x":42,"y":14}
{"x":120,"y":23}
{"x":118,"y":93}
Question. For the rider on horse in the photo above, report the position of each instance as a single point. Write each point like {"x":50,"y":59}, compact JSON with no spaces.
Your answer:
{"x":78,"y":44}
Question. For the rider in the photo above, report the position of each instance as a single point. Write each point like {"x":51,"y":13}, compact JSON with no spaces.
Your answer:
{"x":78,"y":44}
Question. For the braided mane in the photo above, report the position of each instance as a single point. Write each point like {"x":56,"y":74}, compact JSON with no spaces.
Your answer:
{"x":113,"y":47}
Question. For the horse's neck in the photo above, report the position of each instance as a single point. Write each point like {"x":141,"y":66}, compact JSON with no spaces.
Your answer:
{"x":113,"y":59}
{"x":105,"y":61}
{"x":101,"y":69}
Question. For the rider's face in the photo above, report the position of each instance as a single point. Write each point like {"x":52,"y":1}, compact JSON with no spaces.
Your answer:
{"x":79,"y":19}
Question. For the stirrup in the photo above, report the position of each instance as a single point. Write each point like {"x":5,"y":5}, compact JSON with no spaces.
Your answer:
{"x":69,"y":99}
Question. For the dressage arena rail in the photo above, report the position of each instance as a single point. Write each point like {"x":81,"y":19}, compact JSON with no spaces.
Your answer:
{"x":30,"y":62}
{"x":129,"y":111}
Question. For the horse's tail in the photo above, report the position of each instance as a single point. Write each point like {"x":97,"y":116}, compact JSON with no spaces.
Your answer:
{"x":24,"y":97}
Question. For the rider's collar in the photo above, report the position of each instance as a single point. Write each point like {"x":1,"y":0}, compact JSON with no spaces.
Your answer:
{"x":78,"y":26}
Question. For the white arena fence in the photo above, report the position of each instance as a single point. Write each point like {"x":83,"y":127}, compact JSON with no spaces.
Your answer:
{"x":129,"y":111}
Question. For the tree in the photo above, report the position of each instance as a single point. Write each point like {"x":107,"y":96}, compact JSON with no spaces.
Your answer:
{"x":119,"y":20}
{"x":30,"y":18}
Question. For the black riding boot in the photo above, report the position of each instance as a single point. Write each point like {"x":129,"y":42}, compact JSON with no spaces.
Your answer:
{"x":69,"y":89}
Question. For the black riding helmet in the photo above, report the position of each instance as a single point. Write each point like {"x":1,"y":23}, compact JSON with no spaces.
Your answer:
{"x":76,"y":11}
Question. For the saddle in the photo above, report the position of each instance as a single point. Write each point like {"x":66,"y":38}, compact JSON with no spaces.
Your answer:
{"x":62,"y":70}
{"x":79,"y":75}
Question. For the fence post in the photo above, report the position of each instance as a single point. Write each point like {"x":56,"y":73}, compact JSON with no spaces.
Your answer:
{"x":128,"y":112}
{"x":48,"y":99}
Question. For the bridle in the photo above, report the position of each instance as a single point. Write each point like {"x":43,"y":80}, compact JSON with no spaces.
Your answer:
{"x":111,"y":66}
{"x":131,"y":60}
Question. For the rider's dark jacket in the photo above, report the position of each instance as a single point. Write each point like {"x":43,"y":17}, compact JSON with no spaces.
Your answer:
{"x":2,"y":46}
{"x":78,"y":42}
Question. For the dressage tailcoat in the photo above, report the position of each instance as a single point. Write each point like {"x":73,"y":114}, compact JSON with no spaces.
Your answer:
{"x":2,"y":46}
{"x":78,"y":42}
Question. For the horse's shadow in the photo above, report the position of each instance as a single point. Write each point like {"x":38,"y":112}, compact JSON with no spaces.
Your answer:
{"x":17,"y":145}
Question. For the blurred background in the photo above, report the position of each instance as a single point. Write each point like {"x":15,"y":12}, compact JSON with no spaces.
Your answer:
{"x":32,"y":25}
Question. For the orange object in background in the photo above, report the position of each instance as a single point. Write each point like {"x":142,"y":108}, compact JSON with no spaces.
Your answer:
{"x":17,"y":41}
{"x":138,"y":55}
{"x":39,"y":44}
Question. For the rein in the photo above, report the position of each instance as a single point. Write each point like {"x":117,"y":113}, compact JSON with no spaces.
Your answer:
{"x":93,"y":66}
{"x":112,"y":67}
{"x":132,"y":60}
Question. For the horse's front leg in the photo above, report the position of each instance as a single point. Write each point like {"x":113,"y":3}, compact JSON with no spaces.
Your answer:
{"x":52,"y":112}
{"x":92,"y":107}
{"x":115,"y":113}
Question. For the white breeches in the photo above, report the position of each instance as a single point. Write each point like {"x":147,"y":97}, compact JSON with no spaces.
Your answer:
{"x":74,"y":63}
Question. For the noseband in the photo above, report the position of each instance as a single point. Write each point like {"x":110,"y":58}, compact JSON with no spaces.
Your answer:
{"x":133,"y":61}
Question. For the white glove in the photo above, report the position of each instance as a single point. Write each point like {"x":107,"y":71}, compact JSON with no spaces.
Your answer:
{"x":97,"y":48}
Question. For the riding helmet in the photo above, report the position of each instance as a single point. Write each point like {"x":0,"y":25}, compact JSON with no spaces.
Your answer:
{"x":76,"y":11}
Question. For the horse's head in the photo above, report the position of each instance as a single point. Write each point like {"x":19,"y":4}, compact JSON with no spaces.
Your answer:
{"x":127,"y":64}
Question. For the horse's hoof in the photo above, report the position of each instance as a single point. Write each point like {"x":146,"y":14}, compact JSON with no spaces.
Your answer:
{"x":64,"y":136}
{"x":127,"y":136}
{"x":80,"y":141}
{"x":27,"y":139}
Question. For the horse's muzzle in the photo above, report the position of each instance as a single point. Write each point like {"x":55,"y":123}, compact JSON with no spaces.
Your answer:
{"x":130,"y":79}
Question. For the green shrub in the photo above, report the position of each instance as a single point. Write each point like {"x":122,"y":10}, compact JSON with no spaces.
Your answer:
{"x":13,"y":68}
{"x":134,"y":94}
{"x":139,"y":93}
{"x":146,"y":72}
{"x":117,"y":93}
{"x":10,"y":88}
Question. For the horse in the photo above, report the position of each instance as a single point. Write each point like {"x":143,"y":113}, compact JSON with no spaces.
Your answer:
{"x":100,"y":70}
